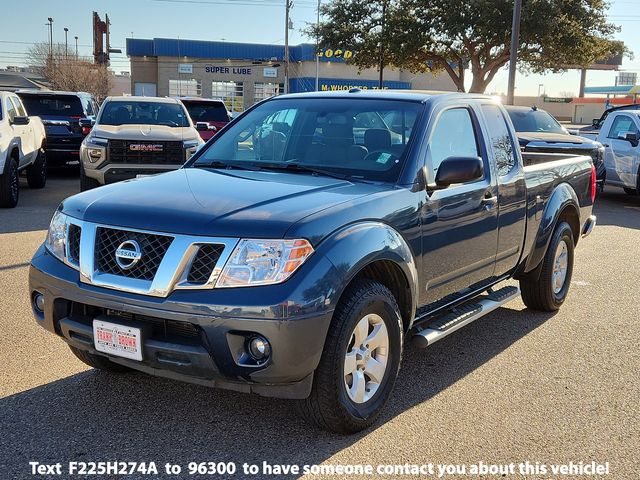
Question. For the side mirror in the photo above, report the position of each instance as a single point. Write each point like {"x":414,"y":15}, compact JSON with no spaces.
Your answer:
{"x":631,"y":137}
{"x":87,"y":122}
{"x":21,"y":120}
{"x":204,"y":126}
{"x":573,"y":131}
{"x":459,"y":170}
{"x":595,"y":122}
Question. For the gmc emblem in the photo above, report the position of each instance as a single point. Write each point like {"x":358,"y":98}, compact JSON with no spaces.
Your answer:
{"x":146,"y":147}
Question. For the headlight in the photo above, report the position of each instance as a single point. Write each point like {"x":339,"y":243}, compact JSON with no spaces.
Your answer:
{"x":263,"y":262}
{"x":57,"y":236}
{"x":95,"y":148}
{"x":101,"y":142}
{"x":191,"y":147}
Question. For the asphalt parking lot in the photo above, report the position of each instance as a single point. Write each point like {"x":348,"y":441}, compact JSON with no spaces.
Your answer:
{"x":512,"y":387}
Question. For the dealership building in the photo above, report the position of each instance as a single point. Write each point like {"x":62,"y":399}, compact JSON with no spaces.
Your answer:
{"x":243,"y":73}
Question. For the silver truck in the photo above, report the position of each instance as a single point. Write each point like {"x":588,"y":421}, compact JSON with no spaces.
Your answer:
{"x":134,"y":137}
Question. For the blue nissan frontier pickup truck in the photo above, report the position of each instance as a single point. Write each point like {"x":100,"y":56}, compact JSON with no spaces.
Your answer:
{"x":296,"y":251}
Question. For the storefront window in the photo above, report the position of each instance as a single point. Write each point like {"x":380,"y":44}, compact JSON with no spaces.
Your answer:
{"x":185,"y":88}
{"x":231,"y":93}
{"x":266,"y":90}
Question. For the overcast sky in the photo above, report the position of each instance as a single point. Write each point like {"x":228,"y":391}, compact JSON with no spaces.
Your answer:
{"x":254,"y":21}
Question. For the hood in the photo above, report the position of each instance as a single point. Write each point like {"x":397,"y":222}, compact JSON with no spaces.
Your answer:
{"x":145,"y":132}
{"x":226,"y":203}
{"x":526,"y":137}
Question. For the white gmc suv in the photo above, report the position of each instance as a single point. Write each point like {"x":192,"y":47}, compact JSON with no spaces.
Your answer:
{"x":22,"y":143}
{"x":136,"y":136}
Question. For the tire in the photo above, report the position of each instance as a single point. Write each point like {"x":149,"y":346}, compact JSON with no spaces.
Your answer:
{"x":10,"y":184}
{"x":548,"y":292}
{"x":330,"y":405}
{"x":98,"y":361}
{"x":630,"y":191}
{"x":37,"y":172}
{"x":87,"y":183}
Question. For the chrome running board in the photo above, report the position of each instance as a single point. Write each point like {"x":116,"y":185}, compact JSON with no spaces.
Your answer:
{"x":462,"y":315}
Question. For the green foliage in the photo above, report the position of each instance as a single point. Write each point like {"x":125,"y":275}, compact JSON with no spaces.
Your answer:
{"x":437,"y":35}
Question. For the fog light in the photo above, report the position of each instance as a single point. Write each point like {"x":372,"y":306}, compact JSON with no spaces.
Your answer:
{"x":259,"y":348}
{"x":38,"y":301}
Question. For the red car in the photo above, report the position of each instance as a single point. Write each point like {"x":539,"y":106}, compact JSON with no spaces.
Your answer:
{"x":208,"y":115}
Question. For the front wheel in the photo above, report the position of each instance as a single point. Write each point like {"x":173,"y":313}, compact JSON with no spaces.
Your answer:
{"x":10,"y":184}
{"x":549,"y":291}
{"x":37,"y":172}
{"x":87,"y":183}
{"x":360,"y":361}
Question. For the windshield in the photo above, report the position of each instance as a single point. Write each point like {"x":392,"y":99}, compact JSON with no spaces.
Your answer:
{"x":359,"y":138}
{"x":53,"y":105}
{"x":143,"y":113}
{"x":206,"y":111}
{"x":535,"y":121}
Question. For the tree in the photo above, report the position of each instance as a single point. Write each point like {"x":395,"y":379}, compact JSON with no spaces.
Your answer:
{"x":451,"y":35}
{"x":64,"y":71}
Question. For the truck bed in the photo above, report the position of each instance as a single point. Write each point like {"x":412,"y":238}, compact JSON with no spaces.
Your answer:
{"x":547,"y":175}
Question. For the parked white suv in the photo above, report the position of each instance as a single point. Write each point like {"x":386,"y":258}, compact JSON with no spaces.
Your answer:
{"x":620,"y":135}
{"x":22,"y":144}
{"x":136,"y":136}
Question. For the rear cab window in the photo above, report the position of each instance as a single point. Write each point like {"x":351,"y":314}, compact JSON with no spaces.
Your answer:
{"x":201,"y":111}
{"x":53,"y":105}
{"x":501,"y":142}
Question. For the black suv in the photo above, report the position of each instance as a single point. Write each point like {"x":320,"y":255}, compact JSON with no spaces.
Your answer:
{"x":538,"y":131}
{"x":67,"y":117}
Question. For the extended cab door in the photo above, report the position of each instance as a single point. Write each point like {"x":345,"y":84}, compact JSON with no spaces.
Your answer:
{"x":460,"y":222}
{"x":621,"y":156}
{"x":512,"y":189}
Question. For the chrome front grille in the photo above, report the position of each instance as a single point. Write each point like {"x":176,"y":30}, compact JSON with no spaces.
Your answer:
{"x":152,"y":248}
{"x":73,"y":239}
{"x":204,"y":263}
{"x":166,"y":262}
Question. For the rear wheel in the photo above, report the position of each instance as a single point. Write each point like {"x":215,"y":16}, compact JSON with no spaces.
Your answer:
{"x":87,"y":183}
{"x":549,"y":291}
{"x":10,"y":184}
{"x":37,"y":172}
{"x":360,"y":361}
{"x":98,"y":361}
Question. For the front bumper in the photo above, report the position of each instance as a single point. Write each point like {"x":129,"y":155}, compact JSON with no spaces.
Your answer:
{"x":111,"y":173}
{"x":182,"y":338}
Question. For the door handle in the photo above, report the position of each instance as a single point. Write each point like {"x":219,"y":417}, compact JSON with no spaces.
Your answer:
{"x":489,"y":200}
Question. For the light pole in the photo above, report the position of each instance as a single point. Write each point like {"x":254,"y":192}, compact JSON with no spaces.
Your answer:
{"x":76,"y":37}
{"x":515,"y":41}
{"x":66,"y":42}
{"x":286,"y":45}
{"x":384,"y":14}
{"x":317,"y":48}
{"x":50,"y":25}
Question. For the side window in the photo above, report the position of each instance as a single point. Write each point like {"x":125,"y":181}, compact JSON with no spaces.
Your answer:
{"x":622,"y":124}
{"x":453,"y":136}
{"x":19,"y":107}
{"x":501,"y":142}
{"x":87,"y":105}
{"x":11,"y":111}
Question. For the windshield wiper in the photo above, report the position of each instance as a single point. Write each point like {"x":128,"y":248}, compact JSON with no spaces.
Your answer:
{"x":297,"y":167}
{"x":226,"y":165}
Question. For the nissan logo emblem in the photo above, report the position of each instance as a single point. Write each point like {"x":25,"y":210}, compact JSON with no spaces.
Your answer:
{"x":128,"y":254}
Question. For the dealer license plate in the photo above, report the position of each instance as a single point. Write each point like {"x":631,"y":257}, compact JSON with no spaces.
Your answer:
{"x":118,"y":340}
